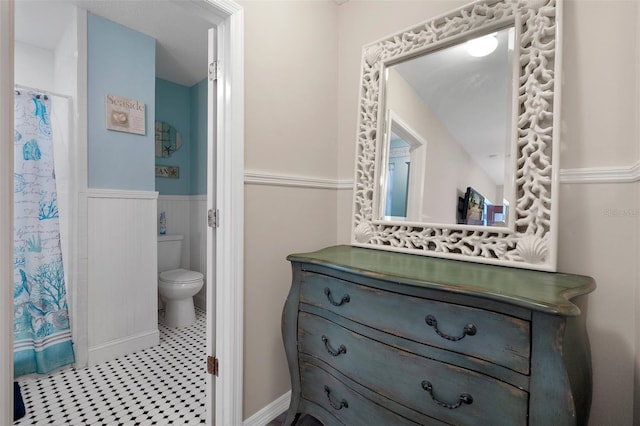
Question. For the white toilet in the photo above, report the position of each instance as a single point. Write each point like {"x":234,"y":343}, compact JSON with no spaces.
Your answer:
{"x":176,"y":286}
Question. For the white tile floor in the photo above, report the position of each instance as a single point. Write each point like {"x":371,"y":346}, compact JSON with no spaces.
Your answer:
{"x":158,"y":386}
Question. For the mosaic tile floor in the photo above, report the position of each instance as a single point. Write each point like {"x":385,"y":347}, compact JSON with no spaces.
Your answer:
{"x":162,"y":385}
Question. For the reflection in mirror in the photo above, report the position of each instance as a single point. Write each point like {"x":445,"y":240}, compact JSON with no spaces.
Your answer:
{"x":459,"y":98}
{"x":405,"y":166}
{"x":437,"y":97}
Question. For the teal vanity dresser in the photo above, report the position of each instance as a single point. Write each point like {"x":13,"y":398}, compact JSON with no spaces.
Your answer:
{"x":382,"y":338}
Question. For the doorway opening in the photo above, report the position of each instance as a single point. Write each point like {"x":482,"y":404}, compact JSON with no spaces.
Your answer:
{"x":79,"y":295}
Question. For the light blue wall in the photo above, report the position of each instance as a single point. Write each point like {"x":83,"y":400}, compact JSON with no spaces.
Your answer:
{"x":121,"y":62}
{"x":185,"y":108}
{"x":173,"y":106}
{"x":199,"y":132}
{"x":398,"y":197}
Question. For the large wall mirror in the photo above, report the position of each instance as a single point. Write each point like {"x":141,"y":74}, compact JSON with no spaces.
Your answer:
{"x":456,"y":154}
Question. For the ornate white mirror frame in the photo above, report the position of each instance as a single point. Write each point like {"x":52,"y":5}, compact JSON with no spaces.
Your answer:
{"x":530,"y":240}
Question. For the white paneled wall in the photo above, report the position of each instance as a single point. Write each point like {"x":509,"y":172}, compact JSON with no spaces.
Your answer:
{"x":176,"y":208}
{"x":187,"y":215}
{"x":198,"y":243}
{"x":122,"y":273}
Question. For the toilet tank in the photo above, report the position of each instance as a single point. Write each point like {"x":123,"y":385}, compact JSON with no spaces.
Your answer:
{"x":169,"y":252}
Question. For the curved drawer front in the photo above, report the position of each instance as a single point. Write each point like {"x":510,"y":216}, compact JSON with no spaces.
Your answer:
{"x":443,"y":391}
{"x":346,"y":405}
{"x":497,"y":338}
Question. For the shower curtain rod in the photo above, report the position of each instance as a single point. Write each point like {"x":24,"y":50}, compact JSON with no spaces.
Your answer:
{"x":44,"y":92}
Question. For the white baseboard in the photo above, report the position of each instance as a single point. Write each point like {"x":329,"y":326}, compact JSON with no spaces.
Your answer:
{"x":124,"y":346}
{"x":270,"y":412}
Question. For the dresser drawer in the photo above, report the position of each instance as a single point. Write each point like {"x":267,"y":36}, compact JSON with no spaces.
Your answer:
{"x":494,"y":337}
{"x":422,"y":384}
{"x":341,"y":402}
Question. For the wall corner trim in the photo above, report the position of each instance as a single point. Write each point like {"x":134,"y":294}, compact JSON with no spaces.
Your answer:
{"x":613,"y":174}
{"x":170,"y":197}
{"x":121,"y":193}
{"x":270,"y":411}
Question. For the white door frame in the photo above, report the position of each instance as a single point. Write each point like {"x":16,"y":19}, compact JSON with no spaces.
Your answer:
{"x":230,"y":205}
{"x":6,"y":214}
{"x":230,"y":194}
{"x":212,"y":202}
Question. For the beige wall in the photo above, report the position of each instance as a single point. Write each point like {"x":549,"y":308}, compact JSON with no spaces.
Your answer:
{"x":290,"y":115}
{"x":278,"y":222}
{"x":594,"y":240}
{"x":599,"y":227}
{"x":599,"y":222}
{"x":599,"y":99}
{"x":290,"y":84}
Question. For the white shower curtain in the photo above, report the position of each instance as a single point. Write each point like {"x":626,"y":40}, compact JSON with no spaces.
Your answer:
{"x":41,"y":320}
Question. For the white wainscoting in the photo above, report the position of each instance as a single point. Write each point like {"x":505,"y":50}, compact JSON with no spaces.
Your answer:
{"x":176,"y":209}
{"x":187,"y":216}
{"x":122,"y":273}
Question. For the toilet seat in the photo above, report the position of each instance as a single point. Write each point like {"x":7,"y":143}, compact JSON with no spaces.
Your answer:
{"x":180,"y":276}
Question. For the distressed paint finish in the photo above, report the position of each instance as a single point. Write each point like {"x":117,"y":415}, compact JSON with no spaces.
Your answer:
{"x":539,"y":291}
{"x":343,"y":404}
{"x":404,"y":372}
{"x":561,"y":371}
{"x":289,"y":329}
{"x":366,"y":348}
{"x":510,"y":337}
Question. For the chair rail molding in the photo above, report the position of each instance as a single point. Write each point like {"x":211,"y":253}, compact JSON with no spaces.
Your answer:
{"x":121,"y":193}
{"x":296,"y":181}
{"x":611,"y":174}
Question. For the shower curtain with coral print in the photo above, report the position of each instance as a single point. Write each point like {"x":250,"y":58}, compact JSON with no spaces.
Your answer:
{"x":41,"y":320}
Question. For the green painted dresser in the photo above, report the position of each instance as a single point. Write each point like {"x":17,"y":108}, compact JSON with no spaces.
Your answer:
{"x":382,"y":338}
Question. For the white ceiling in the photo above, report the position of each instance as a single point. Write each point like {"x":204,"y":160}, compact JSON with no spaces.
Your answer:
{"x":180,"y":29}
{"x":41,"y":24}
{"x":471,"y":97}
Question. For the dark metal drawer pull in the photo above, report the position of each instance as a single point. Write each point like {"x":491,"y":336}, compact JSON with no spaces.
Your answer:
{"x":465,"y":398}
{"x":469,"y":329}
{"x":341,"y":350}
{"x":345,"y":298}
{"x":343,"y":403}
